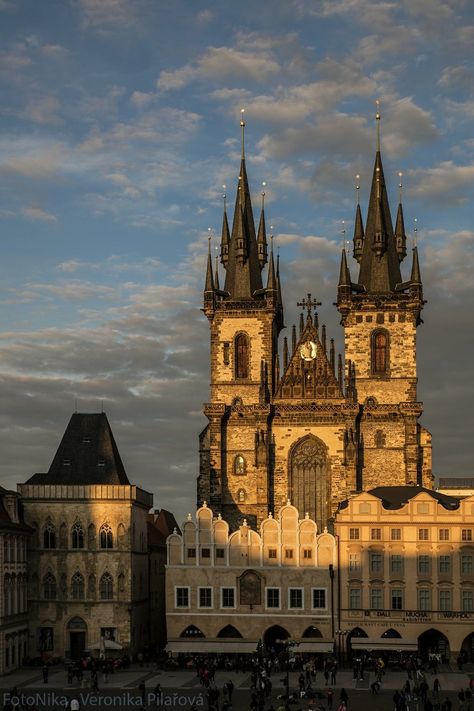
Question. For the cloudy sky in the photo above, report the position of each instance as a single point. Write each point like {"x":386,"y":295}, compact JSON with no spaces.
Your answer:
{"x":119,"y":127}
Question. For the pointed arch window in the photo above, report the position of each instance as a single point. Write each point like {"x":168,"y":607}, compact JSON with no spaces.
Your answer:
{"x":380,"y":352}
{"x":379,"y":439}
{"x":242,"y":352}
{"x":309,"y":479}
{"x":106,"y":537}
{"x":77,"y":587}
{"x":49,"y":535}
{"x":239,"y":464}
{"x":77,"y":535}
{"x":106,"y":587}
{"x":49,"y":587}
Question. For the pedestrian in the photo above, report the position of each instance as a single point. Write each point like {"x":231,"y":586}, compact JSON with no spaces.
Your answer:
{"x":446,"y":705}
{"x":230,"y":689}
{"x":142,"y":690}
{"x":436,"y":685}
{"x":330,"y":696}
{"x":344,"y":697}
{"x":375,"y":687}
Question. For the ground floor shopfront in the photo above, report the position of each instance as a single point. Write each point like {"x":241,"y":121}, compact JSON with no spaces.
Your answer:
{"x":448,"y":635}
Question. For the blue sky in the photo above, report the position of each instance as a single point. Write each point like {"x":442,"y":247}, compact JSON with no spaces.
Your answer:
{"x":119,"y":127}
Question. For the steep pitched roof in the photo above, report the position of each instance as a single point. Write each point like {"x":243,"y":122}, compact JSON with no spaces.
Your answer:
{"x":87,"y":454}
{"x":394,"y":497}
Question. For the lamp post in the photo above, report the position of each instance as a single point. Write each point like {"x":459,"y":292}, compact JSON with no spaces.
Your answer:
{"x":341,"y":635}
{"x":288,"y":644}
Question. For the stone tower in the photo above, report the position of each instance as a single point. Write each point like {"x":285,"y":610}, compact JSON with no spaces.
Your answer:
{"x":306,"y":427}
{"x":380,"y":314}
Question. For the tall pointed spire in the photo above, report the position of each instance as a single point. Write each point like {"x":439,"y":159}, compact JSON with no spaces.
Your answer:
{"x":262,"y":234}
{"x":379,"y":263}
{"x":271,"y":279}
{"x":243,"y":273}
{"x":209,"y":284}
{"x":344,"y":285}
{"x":415,"y":269}
{"x":358,"y":227}
{"x":279,"y":297}
{"x":216,"y":275}
{"x":400,"y":236}
{"x":225,"y":237}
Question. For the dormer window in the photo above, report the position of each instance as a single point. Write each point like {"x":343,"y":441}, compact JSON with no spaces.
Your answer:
{"x":66,"y":462}
{"x":101,"y":463}
{"x":86,"y":440}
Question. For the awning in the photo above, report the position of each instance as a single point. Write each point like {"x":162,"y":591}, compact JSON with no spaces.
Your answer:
{"x":106,"y":644}
{"x":379,"y":643}
{"x":212,"y":646}
{"x":313,"y":645}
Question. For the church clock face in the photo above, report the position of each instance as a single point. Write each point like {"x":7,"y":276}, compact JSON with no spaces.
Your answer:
{"x":308,"y":350}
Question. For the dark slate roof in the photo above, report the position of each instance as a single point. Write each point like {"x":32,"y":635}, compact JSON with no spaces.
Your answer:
{"x":161,"y":524}
{"x":87,"y":454}
{"x":394,"y":497}
{"x":456,"y":482}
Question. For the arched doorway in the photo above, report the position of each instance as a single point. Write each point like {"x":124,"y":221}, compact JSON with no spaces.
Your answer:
{"x":391,"y":634}
{"x":76,"y":632}
{"x":356,"y":633}
{"x":467,"y":648}
{"x":433,"y":642}
{"x":308,"y":480}
{"x":229,"y":632}
{"x":191,"y":631}
{"x":312,"y":632}
{"x":274,"y":638}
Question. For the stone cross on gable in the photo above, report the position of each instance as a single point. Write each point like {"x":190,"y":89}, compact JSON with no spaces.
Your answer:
{"x":308,"y":304}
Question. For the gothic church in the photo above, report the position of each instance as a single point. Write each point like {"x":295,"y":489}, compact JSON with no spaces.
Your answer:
{"x":288,"y":421}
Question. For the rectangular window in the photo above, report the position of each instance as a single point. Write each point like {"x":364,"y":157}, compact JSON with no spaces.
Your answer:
{"x":228,"y":597}
{"x":396,"y":599}
{"x":307,"y":553}
{"x":191,"y":552}
{"x":376,"y":562}
{"x":468,"y":601}
{"x":424,"y":599}
{"x":423,"y":564}
{"x":272,"y":552}
{"x":466,"y":534}
{"x":289,"y":553}
{"x":423,"y":534}
{"x":319,"y":598}
{"x":396,"y":534}
{"x":354,"y":534}
{"x":226,"y":353}
{"x":445,"y":600}
{"x":182,"y":597}
{"x":355,"y":598}
{"x":445,"y":564}
{"x":205,"y":597}
{"x":205,"y":552}
{"x":354,"y":561}
{"x":466,"y":564}
{"x":376,"y":598}
{"x":396,"y":563}
{"x":273,"y":597}
{"x":444,"y":534}
{"x":219,"y":553}
{"x":295,"y":599}
{"x":376,"y":534}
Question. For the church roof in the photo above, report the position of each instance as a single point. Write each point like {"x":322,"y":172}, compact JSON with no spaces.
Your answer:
{"x":394,"y":497}
{"x":87,"y":454}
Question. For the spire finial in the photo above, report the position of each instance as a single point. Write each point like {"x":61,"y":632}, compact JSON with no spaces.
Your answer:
{"x":415,"y":232}
{"x":343,"y":233}
{"x":209,"y":238}
{"x":242,"y":126}
{"x":358,"y":188}
{"x":377,"y":118}
{"x":224,"y":197}
{"x":400,"y":186}
{"x":263,"y":196}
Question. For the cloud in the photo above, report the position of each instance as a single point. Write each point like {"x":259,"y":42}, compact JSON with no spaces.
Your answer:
{"x":446,"y":183}
{"x":37,"y":214}
{"x":108,"y":16}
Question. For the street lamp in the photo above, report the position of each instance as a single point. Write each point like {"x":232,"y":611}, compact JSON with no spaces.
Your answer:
{"x":341,"y":644}
{"x":288,"y":644}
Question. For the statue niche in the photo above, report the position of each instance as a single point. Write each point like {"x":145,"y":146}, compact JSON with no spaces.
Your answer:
{"x":309,"y":480}
{"x":250,"y":588}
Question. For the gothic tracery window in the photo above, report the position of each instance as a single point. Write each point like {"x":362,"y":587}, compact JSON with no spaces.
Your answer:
{"x":379,"y":352}
{"x":308,"y":490}
{"x":106,"y":587}
{"x":49,"y":535}
{"x":77,"y":586}
{"x":77,"y":535}
{"x":106,"y":537}
{"x":49,"y":587}
{"x":241,"y":348}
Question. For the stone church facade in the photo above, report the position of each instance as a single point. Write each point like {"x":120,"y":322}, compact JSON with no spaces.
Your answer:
{"x":289,"y":420}
{"x":88,"y":555}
